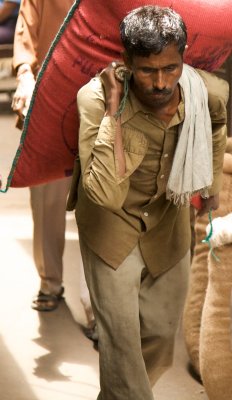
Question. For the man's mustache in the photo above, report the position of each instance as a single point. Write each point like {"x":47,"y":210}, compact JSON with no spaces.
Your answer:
{"x":159,"y":91}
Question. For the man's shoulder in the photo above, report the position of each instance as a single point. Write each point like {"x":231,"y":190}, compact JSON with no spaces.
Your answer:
{"x":91,"y":90}
{"x":91,"y":97}
{"x":218,"y":93}
{"x":216,"y":86}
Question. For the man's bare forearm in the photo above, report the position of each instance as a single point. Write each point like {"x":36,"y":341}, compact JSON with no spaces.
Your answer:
{"x":112,"y":105}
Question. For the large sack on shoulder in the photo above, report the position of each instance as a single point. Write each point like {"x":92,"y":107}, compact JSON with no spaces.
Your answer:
{"x":87,"y":42}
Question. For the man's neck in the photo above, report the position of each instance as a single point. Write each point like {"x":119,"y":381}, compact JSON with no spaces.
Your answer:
{"x":165,"y":112}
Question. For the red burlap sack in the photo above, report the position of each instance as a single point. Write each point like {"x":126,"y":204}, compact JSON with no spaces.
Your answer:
{"x":87,"y":42}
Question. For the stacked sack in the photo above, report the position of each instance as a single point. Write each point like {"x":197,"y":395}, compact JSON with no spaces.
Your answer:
{"x":207,"y":314}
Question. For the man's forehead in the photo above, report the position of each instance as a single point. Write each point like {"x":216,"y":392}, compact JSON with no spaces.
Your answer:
{"x":168,"y":56}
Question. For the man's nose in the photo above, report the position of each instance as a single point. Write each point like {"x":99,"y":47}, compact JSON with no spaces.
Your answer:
{"x":159,"y":80}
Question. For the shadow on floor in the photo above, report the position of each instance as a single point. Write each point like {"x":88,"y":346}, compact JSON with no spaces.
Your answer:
{"x":12,"y":381}
{"x":51,"y":330}
{"x":63,"y":339}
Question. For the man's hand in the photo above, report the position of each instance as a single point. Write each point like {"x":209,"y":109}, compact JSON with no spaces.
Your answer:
{"x":206,"y":204}
{"x":22,"y":96}
{"x":113,"y":92}
{"x":113,"y":88}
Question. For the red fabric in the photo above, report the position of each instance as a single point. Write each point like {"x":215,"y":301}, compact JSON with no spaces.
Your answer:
{"x":196,"y":202}
{"x":89,"y":42}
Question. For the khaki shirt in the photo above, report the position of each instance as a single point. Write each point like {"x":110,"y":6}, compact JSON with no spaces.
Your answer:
{"x":113,"y":213}
{"x":37,"y":24}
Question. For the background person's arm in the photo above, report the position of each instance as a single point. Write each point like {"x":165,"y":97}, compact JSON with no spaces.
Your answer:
{"x":27,"y":35}
{"x":25,"y":61}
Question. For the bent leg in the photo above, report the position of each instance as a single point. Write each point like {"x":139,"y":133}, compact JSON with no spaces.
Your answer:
{"x":161,"y":302}
{"x":114,"y":296}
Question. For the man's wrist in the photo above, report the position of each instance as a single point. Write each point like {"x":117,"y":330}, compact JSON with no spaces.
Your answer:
{"x":112,"y":106}
{"x":23,"y":69}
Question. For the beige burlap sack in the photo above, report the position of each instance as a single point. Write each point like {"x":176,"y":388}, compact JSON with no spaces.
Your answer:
{"x":215,"y":350}
{"x":196,"y":294}
{"x":199,"y":269}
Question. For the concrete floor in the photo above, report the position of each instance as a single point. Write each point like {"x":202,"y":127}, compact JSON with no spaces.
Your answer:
{"x":45,"y":356}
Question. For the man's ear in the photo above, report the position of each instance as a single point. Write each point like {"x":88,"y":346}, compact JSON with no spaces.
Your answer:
{"x":126,"y":60}
{"x":185,"y":50}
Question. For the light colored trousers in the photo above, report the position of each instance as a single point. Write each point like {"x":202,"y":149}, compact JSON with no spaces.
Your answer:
{"x":137,"y":317}
{"x":48,"y":203}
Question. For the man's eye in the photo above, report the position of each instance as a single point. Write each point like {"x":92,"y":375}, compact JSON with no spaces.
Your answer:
{"x":170,"y":68}
{"x":147,"y":70}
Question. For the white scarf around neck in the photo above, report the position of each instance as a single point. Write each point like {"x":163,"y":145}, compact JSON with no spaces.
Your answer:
{"x":192,"y":169}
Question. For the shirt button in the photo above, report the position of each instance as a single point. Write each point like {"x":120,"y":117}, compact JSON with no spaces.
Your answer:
{"x":166,"y":155}
{"x":162,"y":177}
{"x":145,"y":214}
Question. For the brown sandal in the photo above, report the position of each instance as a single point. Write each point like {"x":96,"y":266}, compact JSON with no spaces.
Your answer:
{"x":47,"y":302}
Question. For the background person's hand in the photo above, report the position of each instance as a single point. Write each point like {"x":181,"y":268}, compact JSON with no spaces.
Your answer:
{"x":22,"y":97}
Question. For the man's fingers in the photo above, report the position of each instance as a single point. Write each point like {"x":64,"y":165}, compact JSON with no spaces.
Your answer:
{"x":211,"y":203}
{"x":27,"y":104}
{"x":115,"y":63}
{"x":202,"y":211}
{"x":18,"y":104}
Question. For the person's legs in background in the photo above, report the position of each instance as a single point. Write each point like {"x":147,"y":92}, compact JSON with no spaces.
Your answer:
{"x":48,"y":203}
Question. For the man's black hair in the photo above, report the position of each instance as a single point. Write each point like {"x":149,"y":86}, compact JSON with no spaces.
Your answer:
{"x":149,"y":29}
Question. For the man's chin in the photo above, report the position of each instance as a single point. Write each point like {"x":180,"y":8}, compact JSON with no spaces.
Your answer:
{"x":157,"y":100}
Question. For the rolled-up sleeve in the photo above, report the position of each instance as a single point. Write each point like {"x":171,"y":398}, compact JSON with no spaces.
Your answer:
{"x":100,"y":177}
{"x":26,"y":35}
